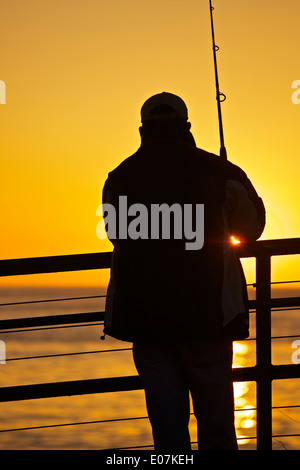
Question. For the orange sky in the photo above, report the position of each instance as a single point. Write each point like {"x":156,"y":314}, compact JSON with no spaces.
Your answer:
{"x":76,"y":74}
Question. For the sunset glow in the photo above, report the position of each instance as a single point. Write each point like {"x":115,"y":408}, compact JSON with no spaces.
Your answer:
{"x":76,"y":75}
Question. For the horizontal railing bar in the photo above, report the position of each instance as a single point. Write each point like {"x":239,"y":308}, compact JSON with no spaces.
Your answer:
{"x":7,"y":328}
{"x":283,"y":302}
{"x":99,"y":316}
{"x":75,"y":387}
{"x":79,"y":262}
{"x":102,"y":421}
{"x":285,"y":336}
{"x":47,"y":356}
{"x":244,"y":374}
{"x":277,"y":247}
{"x":285,"y":371}
{"x":51,"y":264}
{"x":54,"y":327}
{"x":131,"y":418}
{"x":253,"y":284}
{"x":101,"y":296}
{"x":276,"y":302}
{"x":119,"y":384}
{"x":79,"y":353}
{"x":51,"y":320}
{"x":285,"y":309}
{"x":81,"y":387}
{"x":52,"y":300}
{"x":283,"y":282}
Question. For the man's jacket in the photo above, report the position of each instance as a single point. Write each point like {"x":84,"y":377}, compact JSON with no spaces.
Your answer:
{"x":159,"y":288}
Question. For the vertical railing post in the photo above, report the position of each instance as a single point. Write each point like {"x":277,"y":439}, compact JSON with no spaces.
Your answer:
{"x":263,"y":352}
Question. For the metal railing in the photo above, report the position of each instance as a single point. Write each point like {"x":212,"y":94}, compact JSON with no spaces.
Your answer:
{"x":263,"y":373}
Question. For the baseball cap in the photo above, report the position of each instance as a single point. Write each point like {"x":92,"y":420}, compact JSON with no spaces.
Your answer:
{"x":164,"y":106}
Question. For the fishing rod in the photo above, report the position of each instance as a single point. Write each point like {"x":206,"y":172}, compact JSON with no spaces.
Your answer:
{"x":220,"y":96}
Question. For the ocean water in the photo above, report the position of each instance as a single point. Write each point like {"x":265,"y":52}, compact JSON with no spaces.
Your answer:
{"x":108,"y":416}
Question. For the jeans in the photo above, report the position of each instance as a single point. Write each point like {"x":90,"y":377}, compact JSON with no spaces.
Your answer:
{"x":170,"y":371}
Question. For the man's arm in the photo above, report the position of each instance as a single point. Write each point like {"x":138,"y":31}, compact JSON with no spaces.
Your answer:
{"x":246,"y":211}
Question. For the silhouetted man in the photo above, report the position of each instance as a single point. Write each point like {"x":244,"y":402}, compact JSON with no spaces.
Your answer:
{"x":177,"y":289}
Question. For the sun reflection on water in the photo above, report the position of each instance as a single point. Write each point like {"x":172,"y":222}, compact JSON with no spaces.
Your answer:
{"x":245,"y":415}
